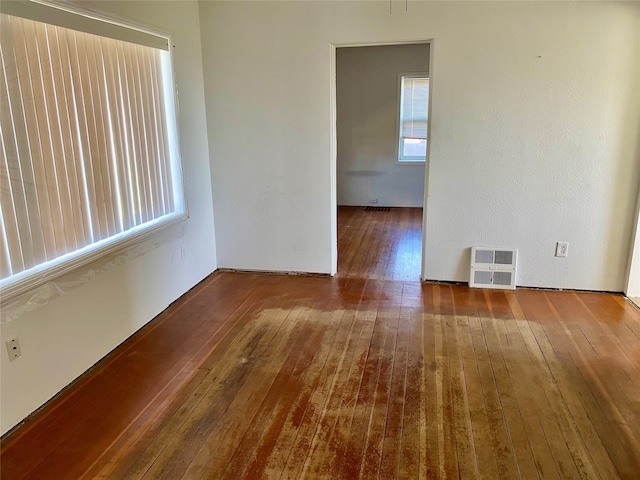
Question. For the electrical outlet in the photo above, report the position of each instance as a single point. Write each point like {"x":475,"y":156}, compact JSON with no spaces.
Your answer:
{"x":373,"y":200}
{"x":183,"y":253}
{"x":562,"y":249}
{"x":13,"y":348}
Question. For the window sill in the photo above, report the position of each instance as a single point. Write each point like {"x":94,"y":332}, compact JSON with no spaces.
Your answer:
{"x":82,"y":257}
{"x":411,"y":162}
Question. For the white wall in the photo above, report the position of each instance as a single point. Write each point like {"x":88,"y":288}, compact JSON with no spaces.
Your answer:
{"x":70,"y":333}
{"x":367,"y":125}
{"x":534,"y":139}
{"x":633,"y":284}
{"x":534,"y":131}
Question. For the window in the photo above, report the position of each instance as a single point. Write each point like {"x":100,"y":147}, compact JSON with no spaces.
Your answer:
{"x":414,"y":108}
{"x":88,"y":144}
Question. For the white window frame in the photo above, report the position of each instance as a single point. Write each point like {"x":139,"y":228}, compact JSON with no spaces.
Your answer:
{"x":411,"y":160}
{"x":60,"y":13}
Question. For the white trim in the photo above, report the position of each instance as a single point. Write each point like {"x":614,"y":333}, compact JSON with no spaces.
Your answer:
{"x":48,"y":271}
{"x":68,"y":15}
{"x":427,"y":167}
{"x":632,"y":284}
{"x":333,"y":141}
{"x":333,"y":155}
{"x":402,"y":75}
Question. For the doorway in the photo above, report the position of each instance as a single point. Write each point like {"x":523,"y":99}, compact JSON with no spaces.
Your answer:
{"x":375,"y":186}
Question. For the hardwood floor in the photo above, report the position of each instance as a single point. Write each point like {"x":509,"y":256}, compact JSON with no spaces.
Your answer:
{"x":380,"y":245}
{"x":370,"y":374}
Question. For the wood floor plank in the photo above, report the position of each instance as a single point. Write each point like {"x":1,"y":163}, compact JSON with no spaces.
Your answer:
{"x":135,"y":438}
{"x":370,"y":461}
{"x":565,"y":445}
{"x":290,"y":463}
{"x":370,"y":374}
{"x":249,"y":392}
{"x":528,"y":464}
{"x":393,"y":433}
{"x":410,"y":452}
{"x":478,"y":424}
{"x":447,"y":453}
{"x":499,"y":434}
{"x":277,"y":401}
{"x":273,"y":449}
{"x":430,"y":420}
{"x":549,"y":451}
{"x":180,"y":445}
{"x":351,"y":461}
{"x":596,"y":307}
{"x":183,"y":420}
{"x":465,"y":445}
{"x":603,"y":380}
{"x":569,"y":385}
{"x":353,"y":419}
{"x":330,"y":441}
{"x":610,"y":430}
{"x":377,"y":245}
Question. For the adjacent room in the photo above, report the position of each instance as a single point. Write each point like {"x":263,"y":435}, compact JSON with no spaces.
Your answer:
{"x":237,"y":239}
{"x":382,"y":100}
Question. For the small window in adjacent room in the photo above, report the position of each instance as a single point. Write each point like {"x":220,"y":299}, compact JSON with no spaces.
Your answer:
{"x":89,"y":159}
{"x":414,"y":108}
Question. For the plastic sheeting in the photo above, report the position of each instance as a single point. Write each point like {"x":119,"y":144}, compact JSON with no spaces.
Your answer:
{"x":40,"y":296}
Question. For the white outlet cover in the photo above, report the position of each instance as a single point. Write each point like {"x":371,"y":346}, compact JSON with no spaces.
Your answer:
{"x":562,"y":249}
{"x":13,"y":348}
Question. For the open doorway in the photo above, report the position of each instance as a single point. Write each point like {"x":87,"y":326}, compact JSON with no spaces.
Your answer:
{"x":381,"y":110}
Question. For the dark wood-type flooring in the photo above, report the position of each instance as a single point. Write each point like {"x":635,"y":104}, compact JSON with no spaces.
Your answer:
{"x":370,"y":374}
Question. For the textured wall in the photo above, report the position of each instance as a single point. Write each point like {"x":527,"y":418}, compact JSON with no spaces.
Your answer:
{"x":534,"y":126}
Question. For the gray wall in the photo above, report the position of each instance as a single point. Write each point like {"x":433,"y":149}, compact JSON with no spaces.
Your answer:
{"x":367,"y":125}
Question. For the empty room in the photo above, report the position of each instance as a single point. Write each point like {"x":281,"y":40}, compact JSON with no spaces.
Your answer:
{"x":245,"y":239}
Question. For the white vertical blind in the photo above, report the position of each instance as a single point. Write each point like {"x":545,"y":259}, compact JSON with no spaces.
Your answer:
{"x":84,"y":145}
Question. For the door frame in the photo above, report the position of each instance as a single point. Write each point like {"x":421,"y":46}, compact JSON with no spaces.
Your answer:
{"x":334,"y":146}
{"x":632,"y":285}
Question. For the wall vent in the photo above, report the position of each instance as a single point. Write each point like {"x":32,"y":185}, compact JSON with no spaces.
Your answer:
{"x":377,"y":209}
{"x":493,"y":267}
